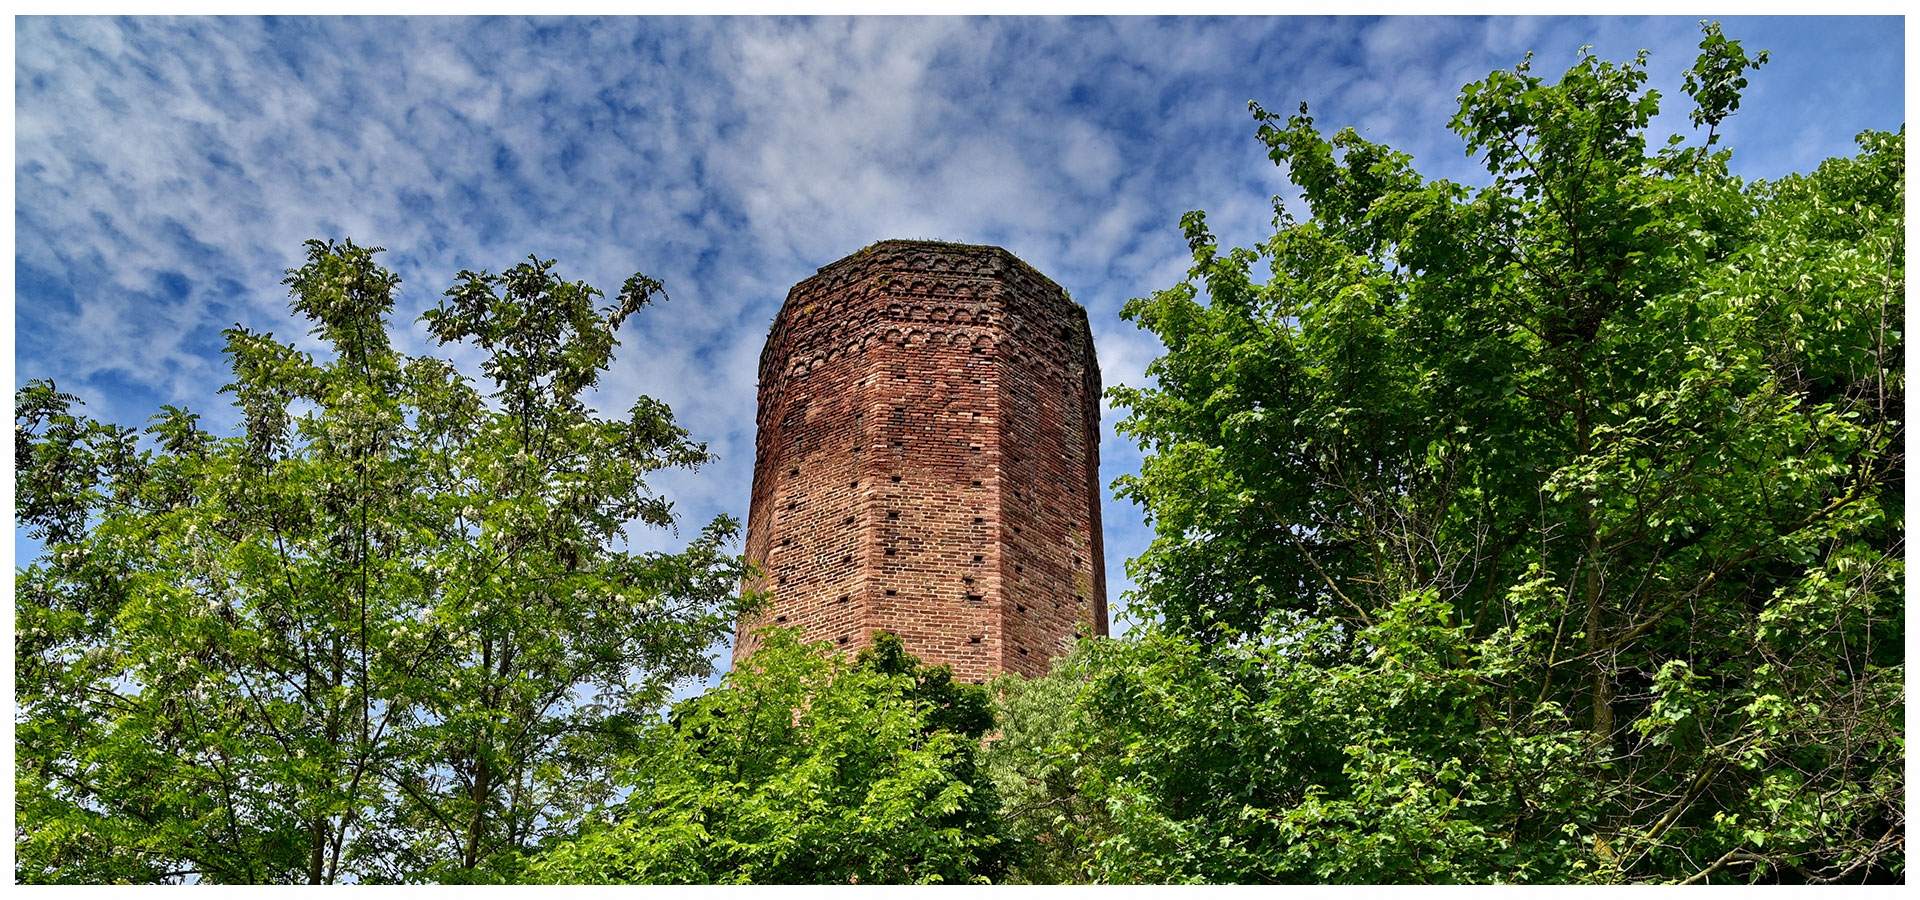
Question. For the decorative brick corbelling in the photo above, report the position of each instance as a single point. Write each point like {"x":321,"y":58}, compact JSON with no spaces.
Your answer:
{"x":927,"y":460}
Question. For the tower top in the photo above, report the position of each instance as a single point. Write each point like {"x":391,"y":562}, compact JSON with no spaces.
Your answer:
{"x":886,"y":249}
{"x":928,"y":460}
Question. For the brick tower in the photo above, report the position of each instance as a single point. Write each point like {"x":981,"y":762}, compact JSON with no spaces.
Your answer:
{"x":928,"y":460}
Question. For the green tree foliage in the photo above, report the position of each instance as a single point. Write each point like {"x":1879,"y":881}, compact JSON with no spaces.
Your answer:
{"x":1049,"y":818}
{"x":806,"y":768}
{"x":1550,"y":530}
{"x":384,"y":632}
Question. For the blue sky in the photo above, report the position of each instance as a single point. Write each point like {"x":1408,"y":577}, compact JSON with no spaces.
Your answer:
{"x":166,"y":171}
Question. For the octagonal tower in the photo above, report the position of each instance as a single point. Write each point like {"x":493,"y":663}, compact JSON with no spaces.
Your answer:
{"x":928,"y":460}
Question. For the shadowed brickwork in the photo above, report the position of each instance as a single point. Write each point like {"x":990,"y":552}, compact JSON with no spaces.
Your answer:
{"x":928,"y":460}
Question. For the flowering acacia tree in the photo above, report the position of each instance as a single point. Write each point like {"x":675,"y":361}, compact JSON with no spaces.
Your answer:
{"x":384,"y":632}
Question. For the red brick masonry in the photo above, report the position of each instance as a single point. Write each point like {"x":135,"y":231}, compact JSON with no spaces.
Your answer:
{"x":928,"y":460}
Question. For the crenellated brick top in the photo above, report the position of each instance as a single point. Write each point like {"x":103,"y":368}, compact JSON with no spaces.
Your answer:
{"x":931,"y":287}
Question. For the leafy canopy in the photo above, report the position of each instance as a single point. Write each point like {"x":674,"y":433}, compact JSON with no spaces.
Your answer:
{"x":385,"y":632}
{"x":1550,"y":530}
{"x":805,"y":767}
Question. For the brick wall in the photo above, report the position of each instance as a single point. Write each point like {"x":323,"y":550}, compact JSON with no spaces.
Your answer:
{"x":928,"y":460}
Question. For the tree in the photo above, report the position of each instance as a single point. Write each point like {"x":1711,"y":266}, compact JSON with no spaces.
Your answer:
{"x":1550,"y":530}
{"x":383,"y":633}
{"x":805,"y":767}
{"x":1035,"y":775}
